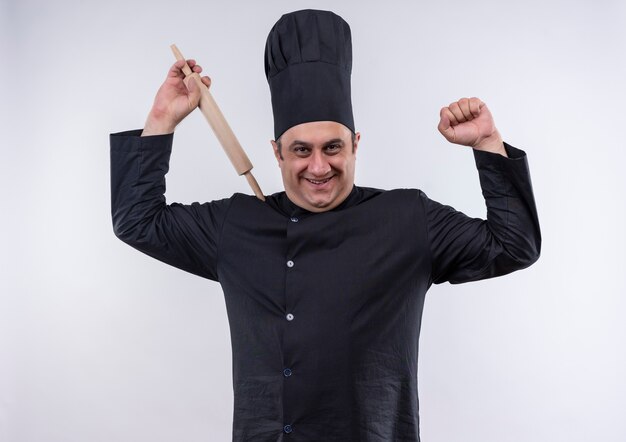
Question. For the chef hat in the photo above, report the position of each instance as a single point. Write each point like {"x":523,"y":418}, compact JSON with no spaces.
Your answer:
{"x":308,"y":62}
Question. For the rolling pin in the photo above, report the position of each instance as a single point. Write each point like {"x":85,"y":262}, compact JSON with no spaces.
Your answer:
{"x":222,"y":130}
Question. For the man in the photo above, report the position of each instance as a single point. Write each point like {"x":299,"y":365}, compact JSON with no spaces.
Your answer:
{"x":325,"y":282}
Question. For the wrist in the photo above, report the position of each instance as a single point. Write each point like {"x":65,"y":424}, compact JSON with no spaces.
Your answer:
{"x":493,"y":144}
{"x":158,"y":125}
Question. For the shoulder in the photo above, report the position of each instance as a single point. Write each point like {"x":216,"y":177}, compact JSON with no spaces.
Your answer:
{"x":244,"y":205}
{"x":390,"y":194}
{"x":398,"y":201}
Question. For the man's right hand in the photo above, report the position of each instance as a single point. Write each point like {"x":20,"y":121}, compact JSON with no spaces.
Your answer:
{"x":176,"y":98}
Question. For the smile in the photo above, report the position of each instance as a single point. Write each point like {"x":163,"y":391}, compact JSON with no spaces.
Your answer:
{"x":319,"y":182}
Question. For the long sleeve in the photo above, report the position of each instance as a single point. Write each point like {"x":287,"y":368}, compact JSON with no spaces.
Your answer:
{"x":469,"y":249}
{"x":184,"y":236}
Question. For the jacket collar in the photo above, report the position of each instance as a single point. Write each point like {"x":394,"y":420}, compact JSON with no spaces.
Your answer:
{"x":282,"y":203}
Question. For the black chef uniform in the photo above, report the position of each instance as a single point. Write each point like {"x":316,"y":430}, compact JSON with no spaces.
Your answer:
{"x":325,"y":308}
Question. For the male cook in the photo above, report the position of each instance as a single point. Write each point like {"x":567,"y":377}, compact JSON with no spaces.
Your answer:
{"x":325,"y":282}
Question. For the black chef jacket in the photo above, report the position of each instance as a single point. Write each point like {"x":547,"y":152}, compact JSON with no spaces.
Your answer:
{"x":325,"y":308}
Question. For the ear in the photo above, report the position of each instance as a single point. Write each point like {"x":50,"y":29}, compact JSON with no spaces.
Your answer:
{"x":276,"y":152}
{"x":357,"y":138}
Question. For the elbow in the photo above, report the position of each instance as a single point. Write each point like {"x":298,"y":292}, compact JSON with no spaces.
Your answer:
{"x":125,"y":229}
{"x":122,"y":233}
{"x":528,"y":254}
{"x":530,"y":259}
{"x":136,"y":225}
{"x":535,"y":250}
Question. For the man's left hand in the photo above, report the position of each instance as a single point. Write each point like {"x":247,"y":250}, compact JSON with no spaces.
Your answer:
{"x":469,"y":122}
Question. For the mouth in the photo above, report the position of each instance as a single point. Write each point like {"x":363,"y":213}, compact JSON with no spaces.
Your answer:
{"x":319,"y":183}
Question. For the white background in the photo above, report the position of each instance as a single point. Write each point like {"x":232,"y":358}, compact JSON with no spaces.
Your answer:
{"x":101,"y":343}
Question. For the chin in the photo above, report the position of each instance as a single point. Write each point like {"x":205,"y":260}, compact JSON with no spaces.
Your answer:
{"x":318,"y":205}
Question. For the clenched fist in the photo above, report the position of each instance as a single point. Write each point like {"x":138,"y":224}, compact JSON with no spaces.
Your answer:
{"x":468,"y":122}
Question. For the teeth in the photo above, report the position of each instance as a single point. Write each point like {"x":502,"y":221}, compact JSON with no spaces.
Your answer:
{"x":319,"y":181}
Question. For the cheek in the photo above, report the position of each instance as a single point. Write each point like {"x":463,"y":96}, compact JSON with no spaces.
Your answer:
{"x":348,"y":169}
{"x":289,"y":172}
{"x":343,"y":165}
{"x":296,"y":168}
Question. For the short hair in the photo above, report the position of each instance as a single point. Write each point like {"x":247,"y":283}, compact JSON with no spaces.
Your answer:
{"x":280,"y":145}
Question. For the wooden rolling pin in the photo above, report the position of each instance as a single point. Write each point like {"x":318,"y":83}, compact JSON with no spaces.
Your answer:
{"x":222,"y":130}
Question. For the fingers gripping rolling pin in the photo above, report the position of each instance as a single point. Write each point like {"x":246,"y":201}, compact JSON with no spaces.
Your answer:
{"x":222,"y":130}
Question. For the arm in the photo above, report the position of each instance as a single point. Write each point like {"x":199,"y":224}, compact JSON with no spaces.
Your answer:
{"x":469,"y":249}
{"x":185,"y":236}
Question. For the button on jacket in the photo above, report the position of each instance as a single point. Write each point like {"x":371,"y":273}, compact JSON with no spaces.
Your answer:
{"x":325,"y":308}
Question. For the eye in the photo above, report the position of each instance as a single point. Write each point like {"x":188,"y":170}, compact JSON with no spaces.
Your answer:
{"x":301,"y":150}
{"x":333,"y":148}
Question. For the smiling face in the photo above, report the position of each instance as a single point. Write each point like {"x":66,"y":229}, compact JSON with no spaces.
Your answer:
{"x":317,"y":162}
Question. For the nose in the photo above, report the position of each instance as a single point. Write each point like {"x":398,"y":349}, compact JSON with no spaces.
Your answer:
{"x":318,"y":164}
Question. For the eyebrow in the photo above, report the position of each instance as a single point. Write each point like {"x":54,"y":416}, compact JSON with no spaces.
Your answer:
{"x":307,"y":144}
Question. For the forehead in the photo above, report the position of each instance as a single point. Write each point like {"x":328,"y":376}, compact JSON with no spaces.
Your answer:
{"x":315,"y":132}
